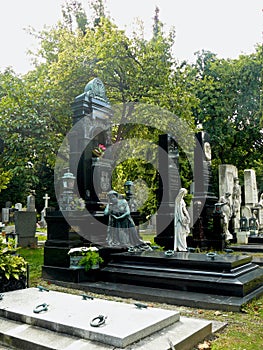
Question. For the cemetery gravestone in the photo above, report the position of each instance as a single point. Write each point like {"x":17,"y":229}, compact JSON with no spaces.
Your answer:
{"x":43,"y":212}
{"x":169,"y":185}
{"x":250,"y":184}
{"x":18,"y":206}
{"x":203,"y":198}
{"x":25,"y":224}
{"x":91,"y":128}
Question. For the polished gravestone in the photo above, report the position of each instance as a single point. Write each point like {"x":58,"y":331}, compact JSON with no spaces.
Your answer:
{"x":222,"y":274}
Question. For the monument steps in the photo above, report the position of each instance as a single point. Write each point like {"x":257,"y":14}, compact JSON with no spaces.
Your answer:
{"x":191,"y":272}
{"x":167,"y":296}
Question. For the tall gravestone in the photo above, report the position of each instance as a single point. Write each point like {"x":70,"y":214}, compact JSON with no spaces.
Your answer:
{"x":66,"y":228}
{"x":250,"y":185}
{"x":253,"y":204}
{"x":228,"y":183}
{"x":92,"y":121}
{"x":203,"y":198}
{"x":169,"y":185}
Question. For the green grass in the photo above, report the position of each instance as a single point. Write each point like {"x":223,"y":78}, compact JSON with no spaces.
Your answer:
{"x":35,"y":259}
{"x":244,"y":329}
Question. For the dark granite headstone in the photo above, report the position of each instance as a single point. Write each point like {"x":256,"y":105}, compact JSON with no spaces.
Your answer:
{"x":67,"y":229}
{"x":169,"y":185}
{"x":203,"y":195}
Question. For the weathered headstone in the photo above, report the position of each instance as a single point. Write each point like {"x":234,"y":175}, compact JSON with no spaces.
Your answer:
{"x":250,"y":184}
{"x":227,"y":174}
{"x":25,"y":224}
{"x":31,"y":203}
{"x":229,"y":183}
{"x":8,"y":204}
{"x":18,"y":206}
{"x":5,"y":215}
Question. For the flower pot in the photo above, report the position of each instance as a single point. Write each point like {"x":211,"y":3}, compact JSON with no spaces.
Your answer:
{"x":95,"y":267}
{"x":74,"y":261}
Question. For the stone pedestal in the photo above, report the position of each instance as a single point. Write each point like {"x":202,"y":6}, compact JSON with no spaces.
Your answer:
{"x":66,"y":232}
{"x":242,"y":237}
{"x":229,"y":275}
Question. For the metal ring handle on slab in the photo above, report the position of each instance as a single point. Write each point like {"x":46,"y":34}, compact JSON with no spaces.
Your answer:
{"x":211,"y":255}
{"x":141,"y":306}
{"x":40,"y":308}
{"x":98,"y":321}
{"x":169,"y":253}
{"x":42,"y":289}
{"x":86,"y":297}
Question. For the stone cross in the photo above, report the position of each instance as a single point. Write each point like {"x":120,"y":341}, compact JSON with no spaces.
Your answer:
{"x":46,"y":197}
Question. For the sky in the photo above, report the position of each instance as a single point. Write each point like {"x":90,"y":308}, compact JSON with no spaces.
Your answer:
{"x":228,"y":28}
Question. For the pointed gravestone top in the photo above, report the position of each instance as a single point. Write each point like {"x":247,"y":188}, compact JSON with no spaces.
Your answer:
{"x":31,"y":203}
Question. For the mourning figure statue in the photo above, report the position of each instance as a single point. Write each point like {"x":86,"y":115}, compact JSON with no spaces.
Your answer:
{"x":236,"y":195}
{"x":181,"y":222}
{"x":121,"y":228}
{"x":227,"y":214}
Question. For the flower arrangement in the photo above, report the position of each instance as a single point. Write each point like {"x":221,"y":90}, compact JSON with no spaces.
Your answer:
{"x":99,"y":150}
{"x":88,"y":257}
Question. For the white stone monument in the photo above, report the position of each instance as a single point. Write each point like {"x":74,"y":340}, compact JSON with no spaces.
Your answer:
{"x":42,"y":222}
{"x":228,"y":183}
{"x":250,"y":185}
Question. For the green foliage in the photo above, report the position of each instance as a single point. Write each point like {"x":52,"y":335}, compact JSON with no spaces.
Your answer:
{"x":35,"y":109}
{"x":230,"y":93}
{"x":90,"y":258}
{"x":11,"y":265}
{"x":224,"y":95}
{"x":4,"y":179}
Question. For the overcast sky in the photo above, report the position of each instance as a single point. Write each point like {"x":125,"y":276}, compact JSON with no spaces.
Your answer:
{"x":225,"y":27}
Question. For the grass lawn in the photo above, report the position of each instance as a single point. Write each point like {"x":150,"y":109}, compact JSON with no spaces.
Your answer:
{"x":244,"y":329}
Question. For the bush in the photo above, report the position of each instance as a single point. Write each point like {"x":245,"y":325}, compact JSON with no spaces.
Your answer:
{"x":11,"y":265}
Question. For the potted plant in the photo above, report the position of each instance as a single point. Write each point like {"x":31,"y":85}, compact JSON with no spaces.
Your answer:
{"x":13,"y":268}
{"x":85,"y":257}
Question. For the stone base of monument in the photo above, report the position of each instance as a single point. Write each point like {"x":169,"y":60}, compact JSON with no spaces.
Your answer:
{"x":222,"y":281}
{"x":256,"y":239}
{"x":242,"y":237}
{"x":34,"y":319}
{"x":216,"y":281}
{"x":211,"y":273}
{"x":53,"y":273}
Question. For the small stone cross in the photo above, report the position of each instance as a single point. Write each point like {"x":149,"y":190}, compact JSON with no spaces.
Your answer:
{"x":46,"y":197}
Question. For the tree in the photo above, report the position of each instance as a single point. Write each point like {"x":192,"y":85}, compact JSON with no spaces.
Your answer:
{"x":35,"y":108}
{"x":229,"y":93}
